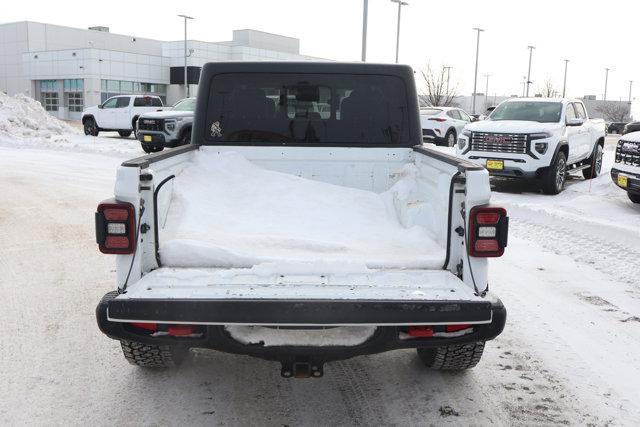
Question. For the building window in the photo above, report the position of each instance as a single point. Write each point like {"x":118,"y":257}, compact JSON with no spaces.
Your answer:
{"x":73,"y":96}
{"x":111,"y":88}
{"x":50,"y":100}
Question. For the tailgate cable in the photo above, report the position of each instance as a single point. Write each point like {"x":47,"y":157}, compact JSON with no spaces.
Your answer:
{"x":133,"y":258}
{"x":466,"y":242}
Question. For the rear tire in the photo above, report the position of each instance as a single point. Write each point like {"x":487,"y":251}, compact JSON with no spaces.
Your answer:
{"x":595,"y":168}
{"x":90,"y":127}
{"x":450,"y":138}
{"x":452,"y":357}
{"x":635,"y":198}
{"x":152,"y":356}
{"x":124,"y":133}
{"x":554,"y":177}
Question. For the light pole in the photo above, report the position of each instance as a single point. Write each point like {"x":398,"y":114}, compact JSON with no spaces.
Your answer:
{"x":475,"y":77}
{"x":630,"y":86}
{"x":186,"y":82}
{"x":564,"y":86}
{"x":400,"y":4}
{"x":448,"y":68}
{"x":606,"y":82}
{"x":524,"y":84}
{"x":486,"y":92}
{"x":529,"y":72}
{"x":365,"y":13}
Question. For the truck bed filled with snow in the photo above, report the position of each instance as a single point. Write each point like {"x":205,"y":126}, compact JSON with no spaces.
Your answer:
{"x":226,"y":211}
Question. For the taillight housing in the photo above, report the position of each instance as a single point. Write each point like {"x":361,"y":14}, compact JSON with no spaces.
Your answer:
{"x":116,"y":227}
{"x":488,"y":231}
{"x":438,"y":119}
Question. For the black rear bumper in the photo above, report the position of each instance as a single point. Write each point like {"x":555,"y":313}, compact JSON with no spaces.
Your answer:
{"x":633,"y":180}
{"x":386,"y":315}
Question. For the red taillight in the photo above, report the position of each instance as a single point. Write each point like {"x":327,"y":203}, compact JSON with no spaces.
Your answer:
{"x":180,"y":330}
{"x":488,"y":231}
{"x":456,"y":328}
{"x":146,"y":326}
{"x":420,"y":331}
{"x":438,"y":119}
{"x":116,"y":227}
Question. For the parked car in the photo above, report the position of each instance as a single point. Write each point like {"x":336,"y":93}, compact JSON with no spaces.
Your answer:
{"x":536,"y":138}
{"x":630,"y":127}
{"x":168,"y":128}
{"x":164,"y":306}
{"x":442,"y":125}
{"x":118,"y":114}
{"x":626,"y":169}
{"x":616,"y":127}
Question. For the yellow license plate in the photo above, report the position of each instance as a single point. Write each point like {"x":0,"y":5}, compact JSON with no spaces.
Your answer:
{"x":496,"y":165}
{"x":147,"y":138}
{"x":623,"y":181}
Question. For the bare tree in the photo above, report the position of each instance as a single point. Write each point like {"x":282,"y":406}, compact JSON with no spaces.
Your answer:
{"x":548,"y":90}
{"x":614,"y":111}
{"x":437,"y":90}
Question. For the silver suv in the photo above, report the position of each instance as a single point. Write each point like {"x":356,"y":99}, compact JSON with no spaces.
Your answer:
{"x":168,"y":128}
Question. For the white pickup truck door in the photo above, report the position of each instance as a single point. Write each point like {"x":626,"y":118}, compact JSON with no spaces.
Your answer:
{"x":106,"y":115}
{"x":123,"y":113}
{"x":576,"y":136}
{"x":585,"y":131}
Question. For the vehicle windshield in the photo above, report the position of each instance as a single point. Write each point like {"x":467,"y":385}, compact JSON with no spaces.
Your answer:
{"x":188,"y":104}
{"x":307,"y":108}
{"x":530,"y":111}
{"x":430,"y":111}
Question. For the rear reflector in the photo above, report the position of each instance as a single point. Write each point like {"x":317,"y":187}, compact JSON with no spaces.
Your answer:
{"x":146,"y":326}
{"x":420,"y":331}
{"x":488,"y":231}
{"x":438,"y":119}
{"x":456,"y":328}
{"x":180,"y":330}
{"x":116,"y":227}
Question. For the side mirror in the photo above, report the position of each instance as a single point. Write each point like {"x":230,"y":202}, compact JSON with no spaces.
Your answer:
{"x":575,"y":122}
{"x":100,"y":106}
{"x":474,"y":119}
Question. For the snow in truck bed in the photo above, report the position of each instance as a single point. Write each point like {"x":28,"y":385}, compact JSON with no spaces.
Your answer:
{"x":226,"y":211}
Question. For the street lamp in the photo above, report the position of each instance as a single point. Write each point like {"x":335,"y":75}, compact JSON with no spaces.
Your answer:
{"x":448,"y":68}
{"x":606,"y":82}
{"x":400,"y":4}
{"x":564,"y":86}
{"x":486,"y":92}
{"x":529,"y":72}
{"x":475,"y":77}
{"x":365,"y":13}
{"x":186,"y":82}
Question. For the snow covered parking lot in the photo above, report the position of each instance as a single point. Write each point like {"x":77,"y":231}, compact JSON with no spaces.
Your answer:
{"x":570,"y":353}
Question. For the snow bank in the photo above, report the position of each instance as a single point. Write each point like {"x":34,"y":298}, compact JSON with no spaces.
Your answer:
{"x":23,"y":117}
{"x":227,"y":212}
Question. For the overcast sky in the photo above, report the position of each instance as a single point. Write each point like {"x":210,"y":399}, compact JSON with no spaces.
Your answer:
{"x":593,"y":35}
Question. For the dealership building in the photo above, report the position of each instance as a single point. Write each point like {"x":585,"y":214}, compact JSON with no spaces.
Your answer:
{"x":67,"y":69}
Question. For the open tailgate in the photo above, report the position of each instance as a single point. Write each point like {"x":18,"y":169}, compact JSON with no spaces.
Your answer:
{"x":223,"y":296}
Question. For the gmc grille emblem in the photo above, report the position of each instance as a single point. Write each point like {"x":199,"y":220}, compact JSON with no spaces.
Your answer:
{"x":495,"y":139}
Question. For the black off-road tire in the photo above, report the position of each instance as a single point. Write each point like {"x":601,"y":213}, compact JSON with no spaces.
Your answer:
{"x":554,"y":177}
{"x":186,"y":138}
{"x":635,"y":198}
{"x":452,"y":357}
{"x":125,"y":133}
{"x":450,"y":138}
{"x":90,"y":127}
{"x":152,"y":356}
{"x":595,"y":167}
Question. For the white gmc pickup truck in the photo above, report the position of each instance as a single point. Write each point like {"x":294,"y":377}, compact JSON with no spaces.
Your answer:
{"x":300,"y":236}
{"x":536,"y":138}
{"x":119,"y":114}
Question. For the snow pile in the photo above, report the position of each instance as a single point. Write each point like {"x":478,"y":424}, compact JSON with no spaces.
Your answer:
{"x":25,"y":118}
{"x":227,"y":212}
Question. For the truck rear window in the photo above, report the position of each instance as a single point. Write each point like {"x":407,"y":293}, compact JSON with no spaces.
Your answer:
{"x":307,"y":108}
{"x":147,"y":101}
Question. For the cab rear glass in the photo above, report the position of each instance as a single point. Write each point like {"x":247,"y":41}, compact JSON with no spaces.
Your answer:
{"x":293,"y":108}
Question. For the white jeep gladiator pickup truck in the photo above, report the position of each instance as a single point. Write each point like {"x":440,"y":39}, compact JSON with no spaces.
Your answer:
{"x":302,"y":238}
{"x":119,"y":114}
{"x":536,"y":138}
{"x":626,"y":169}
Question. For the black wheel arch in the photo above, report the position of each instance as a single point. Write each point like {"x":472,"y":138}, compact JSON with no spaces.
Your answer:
{"x":184,"y":130}
{"x":87,"y":117}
